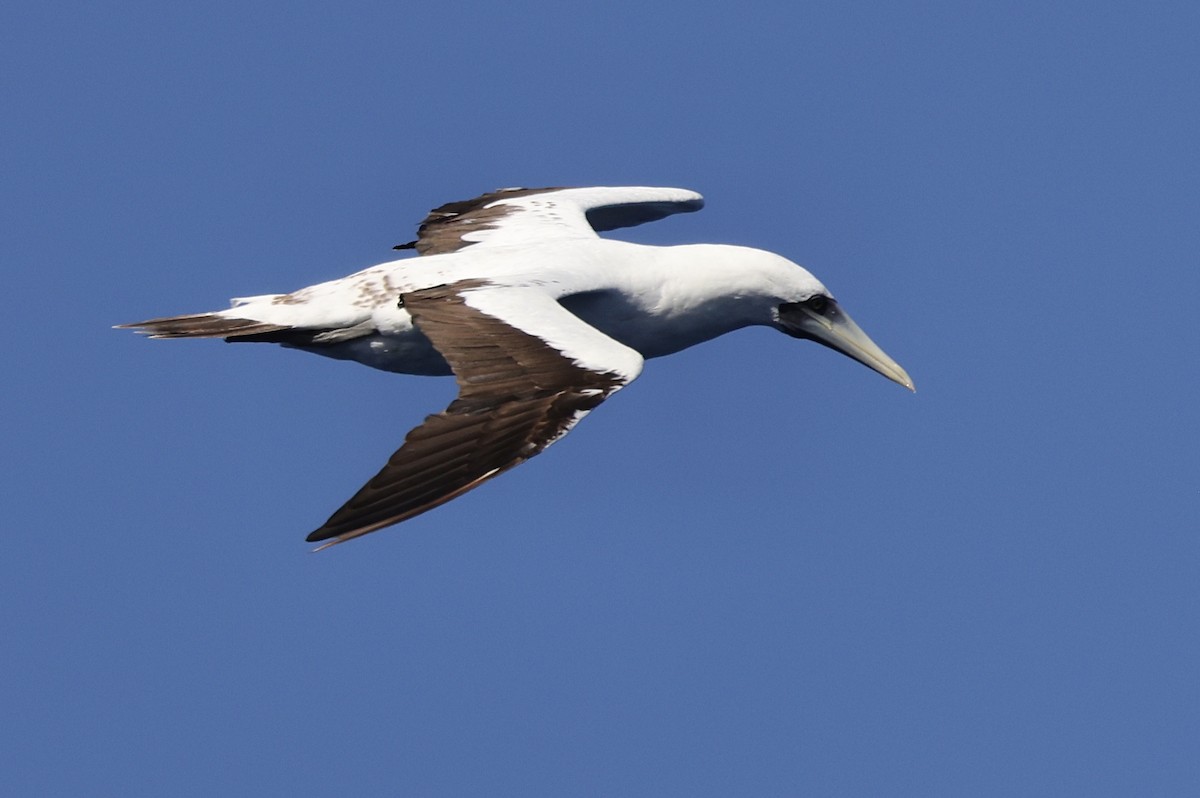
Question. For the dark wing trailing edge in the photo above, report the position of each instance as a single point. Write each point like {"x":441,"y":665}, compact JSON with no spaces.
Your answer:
{"x":517,"y":395}
{"x":554,"y":210}
{"x":630,"y":214}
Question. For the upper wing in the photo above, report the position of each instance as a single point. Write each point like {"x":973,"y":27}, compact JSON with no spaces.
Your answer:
{"x":527,"y":369}
{"x":518,"y":215}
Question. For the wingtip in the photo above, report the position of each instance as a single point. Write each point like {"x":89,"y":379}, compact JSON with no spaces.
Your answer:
{"x":326,"y":545}
{"x":325,"y":538}
{"x":319,"y":535}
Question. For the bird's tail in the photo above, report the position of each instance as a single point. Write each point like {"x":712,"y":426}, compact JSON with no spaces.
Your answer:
{"x":206,"y":325}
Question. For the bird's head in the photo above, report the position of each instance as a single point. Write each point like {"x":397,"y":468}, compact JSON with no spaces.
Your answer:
{"x":802,"y":307}
{"x":733,"y":287}
{"x":820,"y":318}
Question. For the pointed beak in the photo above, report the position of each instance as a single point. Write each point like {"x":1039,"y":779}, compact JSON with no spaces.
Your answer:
{"x":827,"y":324}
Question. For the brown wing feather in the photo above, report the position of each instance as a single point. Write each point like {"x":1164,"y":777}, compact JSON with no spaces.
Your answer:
{"x":517,"y":396}
{"x":443,"y":229}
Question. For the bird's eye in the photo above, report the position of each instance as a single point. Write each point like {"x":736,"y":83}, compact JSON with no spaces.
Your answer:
{"x":817,"y":304}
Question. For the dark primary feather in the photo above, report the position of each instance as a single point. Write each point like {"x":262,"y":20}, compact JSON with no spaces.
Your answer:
{"x":517,"y":395}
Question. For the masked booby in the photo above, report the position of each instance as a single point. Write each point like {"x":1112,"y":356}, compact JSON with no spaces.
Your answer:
{"x":538,"y":319}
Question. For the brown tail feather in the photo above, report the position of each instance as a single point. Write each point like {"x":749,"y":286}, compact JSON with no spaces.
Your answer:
{"x":202,"y":325}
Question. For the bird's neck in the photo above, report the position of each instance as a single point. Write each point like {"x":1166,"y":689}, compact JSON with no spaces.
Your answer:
{"x":671,"y":299}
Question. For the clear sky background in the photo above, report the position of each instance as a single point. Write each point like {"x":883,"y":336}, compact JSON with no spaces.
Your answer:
{"x":761,"y":569}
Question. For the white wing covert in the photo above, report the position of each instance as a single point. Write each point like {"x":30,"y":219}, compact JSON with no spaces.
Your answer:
{"x":516,"y":216}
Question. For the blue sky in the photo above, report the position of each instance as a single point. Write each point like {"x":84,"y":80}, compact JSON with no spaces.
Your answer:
{"x":759,"y":570}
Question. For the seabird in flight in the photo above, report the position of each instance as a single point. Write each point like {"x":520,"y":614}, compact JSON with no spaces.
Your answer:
{"x":538,"y":319}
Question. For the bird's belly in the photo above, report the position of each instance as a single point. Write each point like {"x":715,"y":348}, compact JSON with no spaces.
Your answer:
{"x":649,"y":334}
{"x":406,"y":353}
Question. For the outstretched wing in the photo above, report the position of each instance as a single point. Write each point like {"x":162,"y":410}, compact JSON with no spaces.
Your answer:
{"x":520,"y":215}
{"x":527,"y":369}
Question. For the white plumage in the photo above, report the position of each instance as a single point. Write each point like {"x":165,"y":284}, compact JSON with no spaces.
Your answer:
{"x":537,"y":317}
